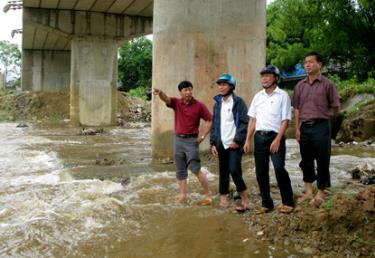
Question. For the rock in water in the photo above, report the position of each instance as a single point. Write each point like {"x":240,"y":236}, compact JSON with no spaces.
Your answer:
{"x":22,"y":125}
{"x":91,"y":131}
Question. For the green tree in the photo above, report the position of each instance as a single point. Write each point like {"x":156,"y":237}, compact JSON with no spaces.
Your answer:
{"x":342,"y":30}
{"x":10,"y":59}
{"x":135,"y":64}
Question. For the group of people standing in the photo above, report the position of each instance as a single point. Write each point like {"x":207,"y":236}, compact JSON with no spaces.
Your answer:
{"x":232,"y":125}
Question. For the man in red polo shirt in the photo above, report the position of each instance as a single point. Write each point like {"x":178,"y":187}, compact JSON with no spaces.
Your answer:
{"x":188,"y":112}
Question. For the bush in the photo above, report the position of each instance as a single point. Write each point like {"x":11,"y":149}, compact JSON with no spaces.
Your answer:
{"x":351,"y":87}
{"x":138,"y":93}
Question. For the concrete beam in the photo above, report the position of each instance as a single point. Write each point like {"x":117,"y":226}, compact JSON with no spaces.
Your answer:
{"x":66,"y":24}
{"x":197,"y":41}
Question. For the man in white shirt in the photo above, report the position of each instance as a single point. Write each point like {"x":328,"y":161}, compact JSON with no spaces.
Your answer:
{"x":227,"y":138}
{"x":270,"y":112}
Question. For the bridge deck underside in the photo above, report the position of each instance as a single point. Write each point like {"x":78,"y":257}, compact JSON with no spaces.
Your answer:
{"x":35,"y":37}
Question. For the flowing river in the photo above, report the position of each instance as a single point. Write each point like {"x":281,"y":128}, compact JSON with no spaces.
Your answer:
{"x":58,"y":199}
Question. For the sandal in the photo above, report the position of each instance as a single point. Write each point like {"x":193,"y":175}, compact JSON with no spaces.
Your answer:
{"x":285,"y":209}
{"x":263,"y":210}
{"x":205,"y":202}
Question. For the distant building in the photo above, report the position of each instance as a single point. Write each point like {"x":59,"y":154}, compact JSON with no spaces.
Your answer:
{"x":289,"y":80}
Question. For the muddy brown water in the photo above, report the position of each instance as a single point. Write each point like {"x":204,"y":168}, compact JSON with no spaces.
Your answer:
{"x":55,"y":201}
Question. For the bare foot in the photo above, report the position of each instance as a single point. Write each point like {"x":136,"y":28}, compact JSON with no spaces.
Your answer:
{"x":316,"y":201}
{"x":319,"y":198}
{"x":242,"y":208}
{"x":304,"y":198}
{"x":223,"y":205}
{"x":182,"y":199}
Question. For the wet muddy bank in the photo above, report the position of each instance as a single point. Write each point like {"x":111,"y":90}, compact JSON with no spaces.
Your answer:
{"x":342,"y":226}
{"x":53,"y":108}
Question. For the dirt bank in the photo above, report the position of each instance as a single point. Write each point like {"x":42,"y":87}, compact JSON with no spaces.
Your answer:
{"x":54,"y":107}
{"x":342,"y":226}
{"x":359,"y":125}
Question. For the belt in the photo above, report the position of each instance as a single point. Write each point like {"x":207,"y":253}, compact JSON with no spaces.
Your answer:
{"x":265,"y":133}
{"x":314,"y":121}
{"x":187,"y":135}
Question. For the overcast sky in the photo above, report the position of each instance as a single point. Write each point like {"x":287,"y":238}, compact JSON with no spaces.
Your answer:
{"x":10,"y":21}
{"x":13,"y":20}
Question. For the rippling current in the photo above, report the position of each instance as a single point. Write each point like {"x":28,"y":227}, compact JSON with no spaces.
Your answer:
{"x":55,"y":201}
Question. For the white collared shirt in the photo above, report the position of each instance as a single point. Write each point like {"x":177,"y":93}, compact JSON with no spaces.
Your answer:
{"x":227,"y":123}
{"x":270,"y":110}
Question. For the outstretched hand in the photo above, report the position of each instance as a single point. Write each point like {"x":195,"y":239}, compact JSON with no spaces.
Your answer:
{"x":156,"y":91}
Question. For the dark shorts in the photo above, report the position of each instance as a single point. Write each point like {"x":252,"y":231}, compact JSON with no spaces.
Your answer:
{"x":186,"y":155}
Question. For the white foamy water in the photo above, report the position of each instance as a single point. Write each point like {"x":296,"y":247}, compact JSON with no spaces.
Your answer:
{"x":39,"y":209}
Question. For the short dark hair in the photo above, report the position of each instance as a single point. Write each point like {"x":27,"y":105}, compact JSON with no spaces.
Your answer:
{"x":318,"y":56}
{"x":184,"y":84}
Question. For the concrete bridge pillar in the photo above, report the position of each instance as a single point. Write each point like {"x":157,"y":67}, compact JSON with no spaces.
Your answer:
{"x":93,"y":80}
{"x":2,"y":80}
{"x":197,"y":41}
{"x":45,"y":70}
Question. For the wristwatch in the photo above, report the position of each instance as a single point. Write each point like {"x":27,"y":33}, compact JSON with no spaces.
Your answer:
{"x":202,"y":137}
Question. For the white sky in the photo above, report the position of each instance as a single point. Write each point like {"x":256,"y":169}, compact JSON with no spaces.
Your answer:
{"x":13,"y":20}
{"x":10,"y":21}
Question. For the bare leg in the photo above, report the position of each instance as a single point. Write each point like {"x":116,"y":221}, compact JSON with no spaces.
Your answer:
{"x":182,"y":184}
{"x":204,"y":182}
{"x":308,"y":193}
{"x":202,"y":178}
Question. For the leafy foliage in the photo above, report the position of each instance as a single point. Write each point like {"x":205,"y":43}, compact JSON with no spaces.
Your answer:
{"x":351,"y":87}
{"x":135,"y":64}
{"x":343,"y":31}
{"x":138,"y":93}
{"x":10,"y":59}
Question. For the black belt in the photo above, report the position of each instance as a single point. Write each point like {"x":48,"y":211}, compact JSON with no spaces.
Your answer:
{"x":187,"y":135}
{"x":265,"y":133}
{"x":314,"y":121}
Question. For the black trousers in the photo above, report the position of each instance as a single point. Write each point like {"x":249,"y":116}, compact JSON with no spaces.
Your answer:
{"x":230,"y":164}
{"x":262,"y":156}
{"x":315,"y":144}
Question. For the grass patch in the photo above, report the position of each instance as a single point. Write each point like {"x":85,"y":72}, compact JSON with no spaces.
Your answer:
{"x":138,"y":93}
{"x":328,"y":203}
{"x":54,"y":118}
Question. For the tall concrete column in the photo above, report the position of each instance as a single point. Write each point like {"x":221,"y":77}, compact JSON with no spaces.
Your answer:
{"x":2,"y":80}
{"x":199,"y":40}
{"x":93,"y":80}
{"x":45,"y":70}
